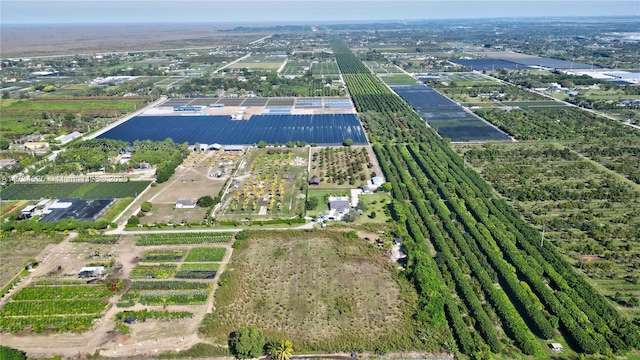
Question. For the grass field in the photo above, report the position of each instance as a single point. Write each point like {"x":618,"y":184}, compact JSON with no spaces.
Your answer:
{"x":399,"y":79}
{"x":325,"y":68}
{"x":321,"y":289}
{"x":294,"y":68}
{"x":16,"y":250}
{"x":269,"y":63}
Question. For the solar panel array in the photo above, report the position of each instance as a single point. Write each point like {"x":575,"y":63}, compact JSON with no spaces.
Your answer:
{"x":325,"y":129}
{"x":448,"y":118}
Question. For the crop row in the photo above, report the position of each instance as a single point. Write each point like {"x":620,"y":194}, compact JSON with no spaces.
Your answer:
{"x":488,"y":252}
{"x":169,"y":285}
{"x":205,"y":254}
{"x":163,"y":255}
{"x":143,"y":315}
{"x":183,"y":238}
{"x":39,"y":324}
{"x":167,"y":297}
{"x":160,"y":271}
{"x":56,"y":307}
{"x":65,"y":292}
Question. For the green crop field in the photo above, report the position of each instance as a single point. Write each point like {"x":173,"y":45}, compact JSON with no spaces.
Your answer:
{"x":205,"y":254}
{"x":56,"y":307}
{"x":96,"y":190}
{"x":167,"y":292}
{"x":325,"y":68}
{"x":399,"y":79}
{"x":183,"y":238}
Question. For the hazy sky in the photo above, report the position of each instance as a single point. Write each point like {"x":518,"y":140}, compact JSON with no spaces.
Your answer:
{"x":145,"y":11}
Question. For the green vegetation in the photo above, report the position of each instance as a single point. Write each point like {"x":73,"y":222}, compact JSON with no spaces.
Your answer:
{"x":147,"y":271}
{"x":480,"y":242}
{"x":588,"y":213}
{"x":94,"y":190}
{"x":59,"y":308}
{"x":205,"y":254}
{"x":29,"y":116}
{"x":163,"y":255}
{"x":340,"y":166}
{"x":7,"y":353}
{"x":167,"y":292}
{"x":399,"y":79}
{"x":272,"y":185}
{"x":183,"y":238}
{"x":247,"y":343}
{"x":331,"y":288}
{"x":146,"y":314}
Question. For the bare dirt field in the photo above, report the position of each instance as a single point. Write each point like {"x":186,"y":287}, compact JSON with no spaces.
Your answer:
{"x":43,"y":40}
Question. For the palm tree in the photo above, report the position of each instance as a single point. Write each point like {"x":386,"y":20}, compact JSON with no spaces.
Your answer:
{"x":280,"y":350}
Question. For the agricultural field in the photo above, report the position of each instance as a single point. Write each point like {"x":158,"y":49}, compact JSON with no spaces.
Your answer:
{"x":516,"y":296}
{"x":57,"y":308}
{"x":619,"y":155}
{"x":294,"y":68}
{"x":556,"y":124}
{"x":177,"y":238}
{"x":342,"y":167}
{"x":268,"y":185}
{"x":260,"y":63}
{"x":588,"y":212}
{"x":166,"y":292}
{"x":324,"y":68}
{"x":399,"y":79}
{"x":153,"y":271}
{"x":385,"y":68}
{"x":205,"y":254}
{"x":97,"y":190}
{"x":469,"y":79}
{"x":39,"y":115}
{"x":323,"y":290}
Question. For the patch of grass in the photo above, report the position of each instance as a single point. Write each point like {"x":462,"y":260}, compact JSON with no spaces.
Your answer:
{"x":16,"y":250}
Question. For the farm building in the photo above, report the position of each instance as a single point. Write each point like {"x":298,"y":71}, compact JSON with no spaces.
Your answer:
{"x":186,"y":203}
{"x":314,"y":181}
{"x":66,"y":138}
{"x":27,"y":212}
{"x":234,"y":148}
{"x":377,"y":181}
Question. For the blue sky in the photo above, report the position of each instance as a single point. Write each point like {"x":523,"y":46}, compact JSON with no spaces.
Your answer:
{"x":145,"y":11}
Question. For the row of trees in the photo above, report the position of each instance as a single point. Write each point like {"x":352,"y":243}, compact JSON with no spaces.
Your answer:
{"x":437,"y":198}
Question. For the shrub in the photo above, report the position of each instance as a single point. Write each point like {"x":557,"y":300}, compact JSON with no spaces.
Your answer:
{"x":146,"y":206}
{"x":247,"y":343}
